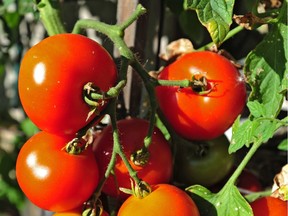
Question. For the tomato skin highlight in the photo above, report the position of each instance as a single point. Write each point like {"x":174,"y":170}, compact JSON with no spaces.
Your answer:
{"x":164,"y":199}
{"x":51,"y":79}
{"x":202,"y":117}
{"x":51,"y":178}
{"x":132,"y":133}
{"x":206,"y":162}
{"x":269,"y":206}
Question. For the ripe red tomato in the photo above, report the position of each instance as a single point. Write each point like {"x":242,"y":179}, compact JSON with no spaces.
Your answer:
{"x":52,"y":76}
{"x":53,"y":179}
{"x":205,"y":163}
{"x":132,"y":132}
{"x":269,"y":206}
{"x":202,"y":116}
{"x":247,"y":183}
{"x":164,"y":199}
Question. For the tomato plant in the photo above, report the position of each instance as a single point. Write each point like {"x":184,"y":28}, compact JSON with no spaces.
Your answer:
{"x":269,"y":206}
{"x":205,"y":163}
{"x":207,"y":113}
{"x":158,"y":168}
{"x":201,"y":95}
{"x":52,"y":76}
{"x":164,"y":199}
{"x":52,"y":178}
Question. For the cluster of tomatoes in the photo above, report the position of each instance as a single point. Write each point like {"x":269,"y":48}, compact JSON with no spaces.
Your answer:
{"x":59,"y":171}
{"x":51,"y":80}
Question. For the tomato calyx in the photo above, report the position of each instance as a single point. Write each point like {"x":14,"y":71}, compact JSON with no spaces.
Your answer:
{"x":79,"y":144}
{"x":200,"y":84}
{"x":93,"y":208}
{"x":202,"y":150}
{"x":140,"y":157}
{"x":139,"y":190}
{"x":76,"y":146}
{"x":94,"y":97}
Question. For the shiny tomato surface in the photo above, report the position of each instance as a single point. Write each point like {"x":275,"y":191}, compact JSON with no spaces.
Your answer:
{"x":132,"y":132}
{"x":202,"y":115}
{"x":52,"y":76}
{"x":164,"y":199}
{"x":269,"y":206}
{"x":204,"y":162}
{"x":53,"y":179}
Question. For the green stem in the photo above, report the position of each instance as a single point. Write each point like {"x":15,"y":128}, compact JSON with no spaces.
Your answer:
{"x":114,"y":32}
{"x":150,"y":84}
{"x":228,"y":36}
{"x":242,"y":165}
{"x":181,"y":83}
{"x":139,"y":11}
{"x":50,"y":16}
{"x":117,"y":148}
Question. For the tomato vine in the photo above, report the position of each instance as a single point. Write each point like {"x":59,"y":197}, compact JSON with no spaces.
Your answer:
{"x":259,"y":127}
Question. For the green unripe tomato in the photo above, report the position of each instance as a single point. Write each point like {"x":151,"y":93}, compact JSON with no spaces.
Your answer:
{"x":205,"y":162}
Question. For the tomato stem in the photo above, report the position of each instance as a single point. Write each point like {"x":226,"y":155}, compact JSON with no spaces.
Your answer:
{"x":117,"y":147}
{"x":114,"y":32}
{"x":181,"y":83}
{"x":230,"y":34}
{"x":139,"y":11}
{"x":50,"y":16}
{"x":242,"y":165}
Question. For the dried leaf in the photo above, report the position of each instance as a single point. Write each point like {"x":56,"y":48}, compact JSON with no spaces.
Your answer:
{"x":280,"y":186}
{"x":248,"y":21}
{"x":176,"y":49}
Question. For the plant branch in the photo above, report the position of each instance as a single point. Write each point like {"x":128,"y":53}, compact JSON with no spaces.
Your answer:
{"x":117,"y":147}
{"x":50,"y":16}
{"x":230,"y":34}
{"x":243,"y":163}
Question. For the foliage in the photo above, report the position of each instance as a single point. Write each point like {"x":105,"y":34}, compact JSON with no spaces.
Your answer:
{"x":265,"y":70}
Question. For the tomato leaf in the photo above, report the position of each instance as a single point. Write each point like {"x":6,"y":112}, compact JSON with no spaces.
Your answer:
{"x":228,"y":201}
{"x":216,"y":16}
{"x":266,"y":72}
{"x":283,"y":145}
{"x":256,"y":108}
{"x":260,"y":129}
{"x":242,"y":134}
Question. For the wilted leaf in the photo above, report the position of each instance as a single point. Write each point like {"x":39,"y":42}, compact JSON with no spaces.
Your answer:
{"x":280,"y":186}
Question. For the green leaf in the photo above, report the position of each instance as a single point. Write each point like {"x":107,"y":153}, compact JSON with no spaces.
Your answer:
{"x":28,"y":127}
{"x":242,"y":134}
{"x":26,"y":6}
{"x":12,"y":19}
{"x":216,"y":16}
{"x":283,"y":146}
{"x":266,"y":72}
{"x":256,"y":109}
{"x":265,"y":130}
{"x":266,"y":68}
{"x":228,"y":201}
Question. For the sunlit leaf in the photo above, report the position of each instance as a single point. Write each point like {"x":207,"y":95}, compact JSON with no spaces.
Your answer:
{"x":227,"y":202}
{"x":216,"y":16}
